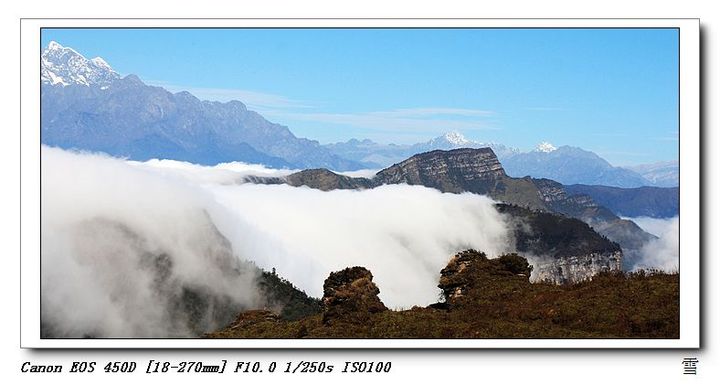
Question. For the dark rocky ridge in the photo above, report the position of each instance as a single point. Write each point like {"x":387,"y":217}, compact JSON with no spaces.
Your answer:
{"x":479,"y":171}
{"x":562,"y":249}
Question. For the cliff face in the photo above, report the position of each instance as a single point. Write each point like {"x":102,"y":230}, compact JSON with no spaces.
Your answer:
{"x":576,"y":268}
{"x":625,"y":232}
{"x":473,"y":170}
{"x":561,"y":249}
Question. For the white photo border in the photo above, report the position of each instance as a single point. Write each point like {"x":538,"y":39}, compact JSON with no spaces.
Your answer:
{"x":689,"y":143}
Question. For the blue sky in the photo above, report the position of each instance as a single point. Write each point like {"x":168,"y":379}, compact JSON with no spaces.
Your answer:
{"x":611,"y":91}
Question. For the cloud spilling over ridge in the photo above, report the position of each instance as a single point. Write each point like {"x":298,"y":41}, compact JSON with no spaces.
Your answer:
{"x":404,"y":234}
{"x":364,"y":173}
{"x":125,"y":249}
{"x":223,"y":173}
{"x":662,"y":253}
{"x":123,"y":242}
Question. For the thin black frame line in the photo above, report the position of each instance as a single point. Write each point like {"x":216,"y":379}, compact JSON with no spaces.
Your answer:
{"x":678,"y":29}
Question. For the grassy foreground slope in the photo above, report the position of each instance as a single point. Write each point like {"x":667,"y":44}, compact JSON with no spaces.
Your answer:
{"x":485,"y":298}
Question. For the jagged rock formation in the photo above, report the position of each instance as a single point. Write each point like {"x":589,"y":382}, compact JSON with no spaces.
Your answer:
{"x":485,"y":298}
{"x":467,"y":270}
{"x":350,"y":293}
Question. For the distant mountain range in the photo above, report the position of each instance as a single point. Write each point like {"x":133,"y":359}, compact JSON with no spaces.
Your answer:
{"x":654,"y":202}
{"x":565,"y":164}
{"x":87,"y":105}
{"x":571,"y":165}
{"x":375,"y":155}
{"x":661,"y":174}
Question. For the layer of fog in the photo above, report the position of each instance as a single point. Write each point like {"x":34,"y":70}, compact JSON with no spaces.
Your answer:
{"x":404,"y":234}
{"x":223,"y":173}
{"x":662,"y":253}
{"x":107,"y":231}
{"x":104,"y":221}
{"x":364,"y":173}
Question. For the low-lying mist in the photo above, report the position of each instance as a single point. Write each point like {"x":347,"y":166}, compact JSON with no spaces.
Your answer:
{"x":662,"y":253}
{"x":123,"y":243}
{"x":124,"y":250}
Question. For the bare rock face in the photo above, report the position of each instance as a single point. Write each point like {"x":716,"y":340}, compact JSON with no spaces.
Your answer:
{"x":350,"y":295}
{"x":578,"y":268}
{"x":465,"y":169}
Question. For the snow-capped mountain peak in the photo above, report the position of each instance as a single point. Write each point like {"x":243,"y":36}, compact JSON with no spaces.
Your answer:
{"x":545,"y":147}
{"x":53,"y":46}
{"x":100,"y":62}
{"x":63,"y":66}
{"x":455,"y":138}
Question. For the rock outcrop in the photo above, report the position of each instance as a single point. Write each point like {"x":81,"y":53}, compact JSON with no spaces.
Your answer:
{"x":350,"y":294}
{"x":485,"y":298}
{"x":470,"y":270}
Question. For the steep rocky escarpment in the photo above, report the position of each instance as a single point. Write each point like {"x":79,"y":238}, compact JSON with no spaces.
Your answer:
{"x":463,"y":170}
{"x":479,"y":171}
{"x":561,"y":249}
{"x":473,"y":170}
{"x":625,"y":232}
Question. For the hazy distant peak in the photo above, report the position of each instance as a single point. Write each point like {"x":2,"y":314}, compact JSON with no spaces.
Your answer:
{"x":545,"y":147}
